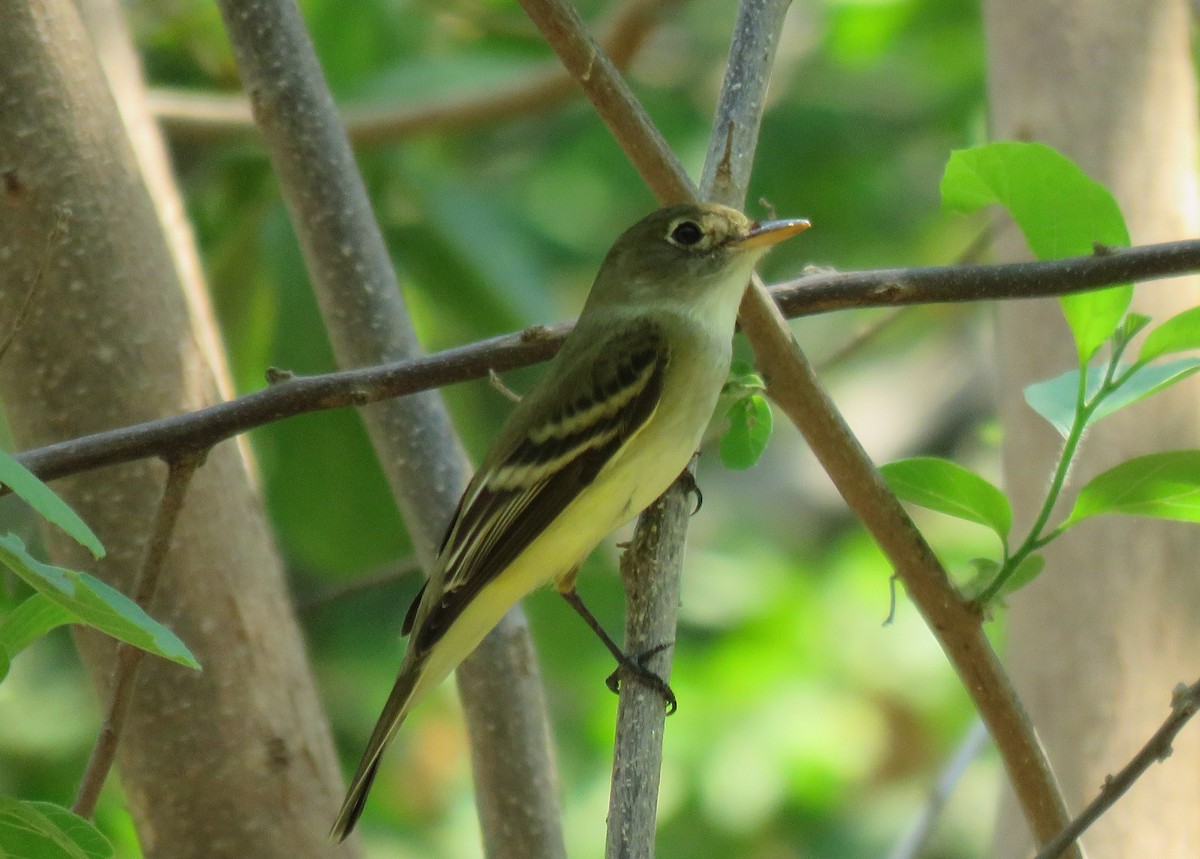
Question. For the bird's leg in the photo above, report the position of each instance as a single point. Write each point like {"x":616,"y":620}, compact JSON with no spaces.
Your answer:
{"x":635,"y":665}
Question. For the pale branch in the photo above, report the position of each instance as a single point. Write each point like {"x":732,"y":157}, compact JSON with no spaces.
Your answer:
{"x":652,"y":567}
{"x":736,"y":121}
{"x":367,"y":321}
{"x":913,"y":843}
{"x":389,"y":575}
{"x":821,"y":292}
{"x":651,"y":573}
{"x":198,"y":115}
{"x":1185,"y":702}
{"x":104,"y":751}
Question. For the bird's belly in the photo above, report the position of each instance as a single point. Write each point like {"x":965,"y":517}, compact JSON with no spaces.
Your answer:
{"x":640,"y":472}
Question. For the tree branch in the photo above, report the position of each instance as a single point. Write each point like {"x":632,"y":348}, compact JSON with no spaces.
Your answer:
{"x":210,"y":115}
{"x":1185,"y":702}
{"x":913,"y":843}
{"x":809,"y":295}
{"x":367,"y":321}
{"x":625,"y":117}
{"x":104,"y":752}
{"x":652,"y":567}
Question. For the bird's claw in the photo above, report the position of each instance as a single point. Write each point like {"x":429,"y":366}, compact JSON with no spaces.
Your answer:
{"x":636,"y":666}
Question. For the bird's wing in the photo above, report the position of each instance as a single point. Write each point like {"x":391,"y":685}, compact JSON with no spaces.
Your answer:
{"x":544,"y":459}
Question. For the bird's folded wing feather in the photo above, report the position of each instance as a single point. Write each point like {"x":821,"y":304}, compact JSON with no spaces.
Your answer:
{"x":544,"y":460}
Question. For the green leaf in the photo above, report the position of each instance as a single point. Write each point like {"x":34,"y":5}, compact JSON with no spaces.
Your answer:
{"x":951,"y":489}
{"x":40,"y":830}
{"x":1094,"y":316}
{"x":748,"y":434}
{"x":1028,"y":570}
{"x":1061,"y":211}
{"x":983,"y":573}
{"x":41,"y":498}
{"x":92,"y":602}
{"x":1054,"y":399}
{"x":30,"y":620}
{"x":5,"y":662}
{"x":1132,"y":324}
{"x":1178,"y":334}
{"x":1162,"y":485}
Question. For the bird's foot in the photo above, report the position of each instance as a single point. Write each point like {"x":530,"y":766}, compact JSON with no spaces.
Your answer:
{"x":636,"y":667}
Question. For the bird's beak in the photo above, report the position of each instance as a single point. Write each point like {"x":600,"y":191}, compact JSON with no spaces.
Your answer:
{"x":764,"y":234}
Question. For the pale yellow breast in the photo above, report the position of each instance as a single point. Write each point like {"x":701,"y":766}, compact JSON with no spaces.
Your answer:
{"x":638,"y":474}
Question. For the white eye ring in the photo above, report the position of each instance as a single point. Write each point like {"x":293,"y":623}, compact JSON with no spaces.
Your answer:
{"x":685,"y":234}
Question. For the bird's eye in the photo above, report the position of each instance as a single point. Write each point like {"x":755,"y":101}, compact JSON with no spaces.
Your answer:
{"x":686,"y":233}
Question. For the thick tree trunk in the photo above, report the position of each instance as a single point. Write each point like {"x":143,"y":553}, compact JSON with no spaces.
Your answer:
{"x":234,"y":761}
{"x":1099,"y":640}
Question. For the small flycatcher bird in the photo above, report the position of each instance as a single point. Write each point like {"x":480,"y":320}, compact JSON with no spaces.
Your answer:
{"x":613,"y":422}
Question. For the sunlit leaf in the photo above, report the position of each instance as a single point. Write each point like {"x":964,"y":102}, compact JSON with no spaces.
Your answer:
{"x":94,"y":603}
{"x":1132,"y":324}
{"x":748,"y":433}
{"x":1061,"y":211}
{"x":30,"y":620}
{"x":1178,"y":334}
{"x":40,"y":830}
{"x":951,"y":489}
{"x":41,"y":498}
{"x":1163,"y":485}
{"x":1054,"y":399}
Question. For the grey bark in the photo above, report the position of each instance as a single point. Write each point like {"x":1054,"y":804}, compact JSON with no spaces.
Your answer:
{"x":1099,"y":640}
{"x":367,"y":322}
{"x":234,"y":761}
{"x":652,"y":567}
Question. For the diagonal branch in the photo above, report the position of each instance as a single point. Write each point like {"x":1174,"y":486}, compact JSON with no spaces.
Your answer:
{"x":1185,"y":703}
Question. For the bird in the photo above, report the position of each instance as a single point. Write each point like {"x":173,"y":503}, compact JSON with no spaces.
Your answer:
{"x":614,"y":421}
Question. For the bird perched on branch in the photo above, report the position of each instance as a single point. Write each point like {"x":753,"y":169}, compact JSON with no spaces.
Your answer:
{"x":613,"y":422}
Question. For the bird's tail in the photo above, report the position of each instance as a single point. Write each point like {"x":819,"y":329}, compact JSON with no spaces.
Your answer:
{"x":394,"y":711}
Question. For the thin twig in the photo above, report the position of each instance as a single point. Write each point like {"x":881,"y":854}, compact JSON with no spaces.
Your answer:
{"x":1185,"y":702}
{"x":390,"y":575}
{"x":502,"y":389}
{"x":806,"y":296}
{"x":211,"y":115}
{"x":863,"y":338}
{"x":910,"y":846}
{"x":128,"y":657}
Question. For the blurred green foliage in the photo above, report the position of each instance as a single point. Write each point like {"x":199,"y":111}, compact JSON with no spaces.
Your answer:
{"x":806,"y":728}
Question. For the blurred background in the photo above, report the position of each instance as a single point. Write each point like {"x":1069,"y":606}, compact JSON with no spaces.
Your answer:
{"x":806,"y":726}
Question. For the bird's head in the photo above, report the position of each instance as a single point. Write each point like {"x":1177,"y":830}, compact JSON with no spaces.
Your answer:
{"x":685,"y":252}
